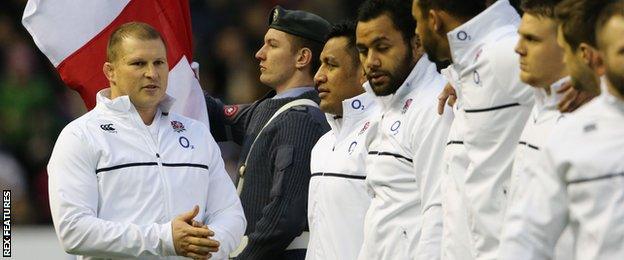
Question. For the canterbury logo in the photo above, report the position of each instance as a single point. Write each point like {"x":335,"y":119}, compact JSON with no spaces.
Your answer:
{"x":108,"y":128}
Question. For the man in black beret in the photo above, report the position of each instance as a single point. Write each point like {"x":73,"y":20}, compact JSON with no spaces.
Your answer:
{"x":277,"y":134}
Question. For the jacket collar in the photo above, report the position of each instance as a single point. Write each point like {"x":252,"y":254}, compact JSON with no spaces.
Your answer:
{"x":603,"y":85}
{"x":353,"y":110}
{"x":421,"y":73}
{"x":465,"y":39}
{"x":549,"y":102}
{"x":613,"y":101}
{"x":293,"y":92}
{"x":123,"y":104}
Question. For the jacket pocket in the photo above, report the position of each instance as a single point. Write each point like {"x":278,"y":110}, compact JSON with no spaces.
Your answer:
{"x":283,"y":160}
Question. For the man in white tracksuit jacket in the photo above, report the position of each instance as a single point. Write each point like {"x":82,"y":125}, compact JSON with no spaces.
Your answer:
{"x":491,"y":110}
{"x":580,"y":179}
{"x":542,"y":67}
{"x":120,"y":174}
{"x":338,"y":198}
{"x":405,"y":156}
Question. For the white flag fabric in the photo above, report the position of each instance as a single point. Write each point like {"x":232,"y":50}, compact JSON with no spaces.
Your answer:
{"x":73,"y":35}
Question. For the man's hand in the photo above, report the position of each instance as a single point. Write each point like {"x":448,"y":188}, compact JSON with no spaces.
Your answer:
{"x":572,"y":98}
{"x":200,"y":225}
{"x":448,"y":96}
{"x":190,"y":238}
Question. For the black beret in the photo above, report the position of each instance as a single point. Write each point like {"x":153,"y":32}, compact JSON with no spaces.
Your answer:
{"x":299,"y":23}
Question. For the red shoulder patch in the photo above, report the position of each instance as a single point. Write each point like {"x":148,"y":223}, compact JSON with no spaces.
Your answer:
{"x":230,"y":111}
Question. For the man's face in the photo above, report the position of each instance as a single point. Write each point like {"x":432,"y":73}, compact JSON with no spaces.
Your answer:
{"x":541,"y":58}
{"x":612,"y":49}
{"x":139,"y":71}
{"x":339,"y":76}
{"x":583,"y":77}
{"x":277,"y":58}
{"x":431,"y":42}
{"x":386,"y":57}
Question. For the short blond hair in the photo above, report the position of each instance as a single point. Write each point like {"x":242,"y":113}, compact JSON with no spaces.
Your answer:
{"x":137,"y":30}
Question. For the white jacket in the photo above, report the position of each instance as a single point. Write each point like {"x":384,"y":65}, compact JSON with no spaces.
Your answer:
{"x":115,"y":185}
{"x":456,"y":235}
{"x":578,"y":185}
{"x":530,"y":151}
{"x":338,"y":199}
{"x":544,"y":116}
{"x":404,"y":167}
{"x":494,"y":106}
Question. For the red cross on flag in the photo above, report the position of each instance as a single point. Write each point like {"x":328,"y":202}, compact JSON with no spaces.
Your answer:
{"x":73,"y":35}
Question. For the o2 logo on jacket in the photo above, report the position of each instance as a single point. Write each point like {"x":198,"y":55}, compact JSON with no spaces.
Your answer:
{"x":357,"y":104}
{"x":462,"y":36}
{"x":476,"y":77}
{"x":185,"y":143}
{"x":352,"y":147}
{"x":395,"y":127}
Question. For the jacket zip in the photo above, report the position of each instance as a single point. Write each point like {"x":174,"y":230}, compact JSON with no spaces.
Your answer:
{"x":154,"y":146}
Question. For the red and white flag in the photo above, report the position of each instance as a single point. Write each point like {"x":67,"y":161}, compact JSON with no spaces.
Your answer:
{"x":73,"y":35}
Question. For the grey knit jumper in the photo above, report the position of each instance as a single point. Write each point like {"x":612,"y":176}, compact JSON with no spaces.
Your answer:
{"x":277,"y":175}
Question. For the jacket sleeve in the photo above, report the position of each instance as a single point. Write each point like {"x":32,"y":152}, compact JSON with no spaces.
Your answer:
{"x":228,"y":122}
{"x":285,"y":216}
{"x":535,"y":222}
{"x":73,"y":191}
{"x":491,"y":137}
{"x":428,"y":161}
{"x":224,"y":213}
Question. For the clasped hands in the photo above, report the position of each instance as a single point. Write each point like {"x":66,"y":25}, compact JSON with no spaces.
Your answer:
{"x":191,"y":238}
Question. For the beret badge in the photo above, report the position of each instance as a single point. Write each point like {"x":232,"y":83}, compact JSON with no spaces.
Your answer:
{"x":275,"y":15}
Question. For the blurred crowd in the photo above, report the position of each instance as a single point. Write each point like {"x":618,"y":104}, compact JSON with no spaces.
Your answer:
{"x":35,"y":104}
{"x":34,"y":107}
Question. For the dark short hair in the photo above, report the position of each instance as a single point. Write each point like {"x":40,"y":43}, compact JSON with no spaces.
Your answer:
{"x":315,"y":47}
{"x":462,"y":9}
{"x":346,"y":29}
{"x":615,"y":8}
{"x":399,"y":12}
{"x":137,"y":30}
{"x":577,"y":19}
{"x":542,"y":8}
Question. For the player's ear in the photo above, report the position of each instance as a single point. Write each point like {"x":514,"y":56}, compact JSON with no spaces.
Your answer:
{"x":109,"y":71}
